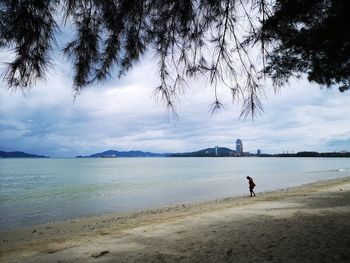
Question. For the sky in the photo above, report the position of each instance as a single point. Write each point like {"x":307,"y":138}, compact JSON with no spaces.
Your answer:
{"x":122,"y":114}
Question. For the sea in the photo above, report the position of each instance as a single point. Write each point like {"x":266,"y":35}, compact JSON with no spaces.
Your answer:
{"x":38,"y":191}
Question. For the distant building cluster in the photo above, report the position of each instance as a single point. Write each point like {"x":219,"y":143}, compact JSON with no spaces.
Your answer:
{"x":240,"y":150}
{"x":218,"y":151}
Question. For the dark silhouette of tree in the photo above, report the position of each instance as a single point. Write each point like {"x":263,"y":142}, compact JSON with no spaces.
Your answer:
{"x":214,"y":38}
{"x":311,"y":37}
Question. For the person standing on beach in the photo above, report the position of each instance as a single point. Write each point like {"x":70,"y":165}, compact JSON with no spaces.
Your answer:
{"x":251,"y":186}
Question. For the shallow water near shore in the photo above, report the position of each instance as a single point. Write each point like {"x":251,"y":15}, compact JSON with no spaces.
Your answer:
{"x":36,"y":191}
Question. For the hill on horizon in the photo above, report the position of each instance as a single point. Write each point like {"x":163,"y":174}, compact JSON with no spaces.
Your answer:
{"x":124,"y":154}
{"x":208,"y":152}
{"x":18,"y":154}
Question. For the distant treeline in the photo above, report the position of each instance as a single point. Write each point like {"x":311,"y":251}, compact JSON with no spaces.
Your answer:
{"x":309,"y":154}
{"x":225,"y":152}
{"x":208,"y":152}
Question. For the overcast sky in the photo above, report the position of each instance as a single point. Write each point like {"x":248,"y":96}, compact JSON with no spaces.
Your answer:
{"x":121,"y":114}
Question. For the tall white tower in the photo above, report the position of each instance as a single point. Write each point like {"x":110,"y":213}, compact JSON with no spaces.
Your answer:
{"x":239,"y":146}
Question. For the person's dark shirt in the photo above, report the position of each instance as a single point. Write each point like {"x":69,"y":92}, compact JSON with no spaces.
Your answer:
{"x":251,"y":183}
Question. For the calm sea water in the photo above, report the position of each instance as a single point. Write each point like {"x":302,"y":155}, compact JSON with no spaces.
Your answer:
{"x":35,"y":191}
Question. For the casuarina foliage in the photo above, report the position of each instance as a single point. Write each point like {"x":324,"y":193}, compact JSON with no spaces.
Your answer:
{"x":218,"y":39}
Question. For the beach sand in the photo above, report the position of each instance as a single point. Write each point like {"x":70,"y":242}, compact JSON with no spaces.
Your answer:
{"x":310,"y":223}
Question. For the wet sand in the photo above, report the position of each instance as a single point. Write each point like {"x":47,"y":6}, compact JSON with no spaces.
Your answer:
{"x":310,"y":223}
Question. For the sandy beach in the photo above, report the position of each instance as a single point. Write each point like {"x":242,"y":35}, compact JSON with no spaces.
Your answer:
{"x":310,"y":223}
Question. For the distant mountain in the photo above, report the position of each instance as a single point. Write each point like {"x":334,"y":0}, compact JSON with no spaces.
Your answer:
{"x":208,"y":152}
{"x":20,"y":155}
{"x":112,"y":153}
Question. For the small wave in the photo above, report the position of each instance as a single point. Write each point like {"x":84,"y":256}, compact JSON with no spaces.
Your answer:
{"x":331,"y":170}
{"x":338,"y":170}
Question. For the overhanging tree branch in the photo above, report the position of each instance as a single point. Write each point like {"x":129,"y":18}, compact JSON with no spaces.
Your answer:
{"x":189,"y":37}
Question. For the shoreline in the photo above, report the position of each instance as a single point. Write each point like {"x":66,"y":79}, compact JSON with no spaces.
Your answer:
{"x":41,"y":243}
{"x":165,"y":208}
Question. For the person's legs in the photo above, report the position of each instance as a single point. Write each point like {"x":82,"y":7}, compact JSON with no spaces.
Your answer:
{"x":251,"y":192}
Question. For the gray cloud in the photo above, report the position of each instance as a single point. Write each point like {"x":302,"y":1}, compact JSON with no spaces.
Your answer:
{"x":123,"y":115}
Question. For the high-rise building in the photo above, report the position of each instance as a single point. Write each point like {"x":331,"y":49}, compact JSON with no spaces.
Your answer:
{"x":239,"y":146}
{"x":258,"y":152}
{"x":216,"y":150}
